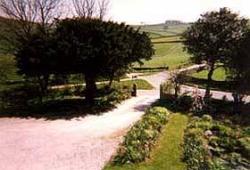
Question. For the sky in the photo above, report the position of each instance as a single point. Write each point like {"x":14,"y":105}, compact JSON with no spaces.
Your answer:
{"x":158,"y":11}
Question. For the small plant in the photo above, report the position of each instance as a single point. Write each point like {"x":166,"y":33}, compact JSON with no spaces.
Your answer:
{"x":198,"y":103}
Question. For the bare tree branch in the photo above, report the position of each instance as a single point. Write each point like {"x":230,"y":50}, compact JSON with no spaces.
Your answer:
{"x":26,"y":16}
{"x":91,"y":8}
{"x":103,"y":7}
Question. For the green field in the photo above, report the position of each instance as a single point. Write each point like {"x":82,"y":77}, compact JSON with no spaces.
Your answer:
{"x":219,"y":74}
{"x":166,"y":54}
{"x":170,"y":55}
{"x":164,"y":39}
{"x":158,"y":30}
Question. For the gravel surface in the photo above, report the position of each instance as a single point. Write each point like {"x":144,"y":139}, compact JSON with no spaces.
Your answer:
{"x":78,"y":144}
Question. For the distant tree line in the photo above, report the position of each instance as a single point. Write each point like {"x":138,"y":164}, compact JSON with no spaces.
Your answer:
{"x":173,"y":22}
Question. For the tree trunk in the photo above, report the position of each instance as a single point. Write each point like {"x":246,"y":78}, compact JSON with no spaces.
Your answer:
{"x":111,"y":79}
{"x":90,"y":88}
{"x":209,"y":81}
{"x":238,"y":100}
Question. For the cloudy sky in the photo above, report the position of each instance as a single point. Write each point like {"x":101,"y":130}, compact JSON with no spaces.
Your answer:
{"x":157,"y":11}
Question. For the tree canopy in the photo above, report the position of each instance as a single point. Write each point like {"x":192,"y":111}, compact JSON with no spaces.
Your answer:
{"x":214,"y":38}
{"x":98,"y":48}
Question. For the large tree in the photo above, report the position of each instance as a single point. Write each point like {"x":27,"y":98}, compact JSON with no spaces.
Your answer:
{"x":238,"y":69}
{"x":36,"y":58}
{"x":213,"y":38}
{"x":96,"y":48}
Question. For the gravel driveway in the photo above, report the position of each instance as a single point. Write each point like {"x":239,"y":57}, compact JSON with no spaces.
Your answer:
{"x":78,"y":144}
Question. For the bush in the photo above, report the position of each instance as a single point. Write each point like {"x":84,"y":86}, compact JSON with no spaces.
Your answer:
{"x":245,"y":146}
{"x":212,"y":145}
{"x":207,"y":118}
{"x":184,"y":103}
{"x":194,"y":150}
{"x":141,"y":137}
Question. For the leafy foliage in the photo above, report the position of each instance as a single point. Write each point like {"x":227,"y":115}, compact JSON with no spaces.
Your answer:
{"x":238,"y":68}
{"x":97,"y":48}
{"x":213,"y":145}
{"x":214,"y":38}
{"x":141,"y":137}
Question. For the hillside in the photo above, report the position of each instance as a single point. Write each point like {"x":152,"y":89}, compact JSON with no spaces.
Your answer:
{"x":166,"y":38}
{"x":164,"y":29}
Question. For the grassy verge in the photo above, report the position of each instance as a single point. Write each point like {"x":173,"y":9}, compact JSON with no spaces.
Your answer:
{"x":141,"y":84}
{"x":219,"y":81}
{"x":167,"y":154}
{"x":219,"y":74}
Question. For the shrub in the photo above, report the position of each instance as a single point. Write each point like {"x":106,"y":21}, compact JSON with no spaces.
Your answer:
{"x":142,"y":136}
{"x":207,"y":118}
{"x":194,"y":150}
{"x":245,"y":146}
{"x":224,"y":148}
{"x":185,"y":103}
{"x":246,"y":131}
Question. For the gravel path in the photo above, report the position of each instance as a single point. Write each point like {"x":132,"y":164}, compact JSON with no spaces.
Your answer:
{"x":79,"y":144}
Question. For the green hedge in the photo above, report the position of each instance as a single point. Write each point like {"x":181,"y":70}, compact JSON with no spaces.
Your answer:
{"x":212,"y":145}
{"x":141,"y":137}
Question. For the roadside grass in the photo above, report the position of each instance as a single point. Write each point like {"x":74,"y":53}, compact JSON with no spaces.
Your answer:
{"x":167,"y":154}
{"x":219,"y":74}
{"x":141,"y":84}
{"x":67,"y":102}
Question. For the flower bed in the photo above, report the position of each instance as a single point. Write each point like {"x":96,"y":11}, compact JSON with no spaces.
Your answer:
{"x":213,"y":145}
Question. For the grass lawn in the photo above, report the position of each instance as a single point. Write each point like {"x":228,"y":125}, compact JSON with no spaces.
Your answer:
{"x":168,"y":152}
{"x":219,"y":80}
{"x":141,"y":84}
{"x":219,"y":74}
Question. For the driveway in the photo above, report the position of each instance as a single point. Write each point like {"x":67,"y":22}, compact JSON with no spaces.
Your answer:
{"x":78,"y":144}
